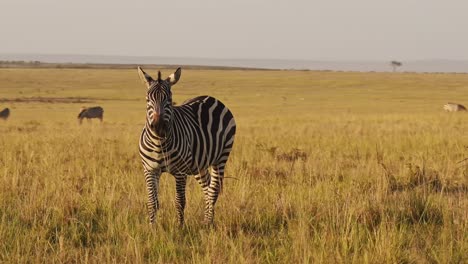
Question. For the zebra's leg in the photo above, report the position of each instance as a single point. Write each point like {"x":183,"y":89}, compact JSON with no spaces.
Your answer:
{"x":204,"y":179}
{"x":216,"y":183}
{"x":152,"y":184}
{"x":181,"y":182}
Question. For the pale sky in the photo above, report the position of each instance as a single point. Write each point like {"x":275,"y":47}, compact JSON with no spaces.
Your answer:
{"x":293,"y":29}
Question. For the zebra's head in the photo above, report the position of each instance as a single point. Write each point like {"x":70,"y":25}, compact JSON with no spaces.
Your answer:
{"x":159,"y":100}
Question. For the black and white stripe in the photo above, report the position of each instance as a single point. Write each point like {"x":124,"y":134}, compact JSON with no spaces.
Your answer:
{"x":194,"y":138}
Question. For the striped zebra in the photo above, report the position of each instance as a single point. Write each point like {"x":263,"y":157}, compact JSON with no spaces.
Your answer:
{"x":453,"y":107}
{"x":91,"y":112}
{"x":194,"y":138}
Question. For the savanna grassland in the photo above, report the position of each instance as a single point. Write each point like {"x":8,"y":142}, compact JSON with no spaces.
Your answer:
{"x":327,"y":167}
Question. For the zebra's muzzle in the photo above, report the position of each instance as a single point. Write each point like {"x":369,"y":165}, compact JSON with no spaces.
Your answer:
{"x":158,"y":123}
{"x":160,"y":127}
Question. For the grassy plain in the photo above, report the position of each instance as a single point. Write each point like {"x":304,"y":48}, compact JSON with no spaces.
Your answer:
{"x":328,"y":167}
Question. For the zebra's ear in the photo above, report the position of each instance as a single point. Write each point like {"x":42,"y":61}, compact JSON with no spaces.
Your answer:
{"x":174,"y":78}
{"x":145,"y":78}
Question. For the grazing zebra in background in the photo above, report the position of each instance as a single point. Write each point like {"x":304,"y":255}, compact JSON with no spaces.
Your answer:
{"x":5,"y":113}
{"x":194,"y":138}
{"x":453,"y":107}
{"x":91,"y":112}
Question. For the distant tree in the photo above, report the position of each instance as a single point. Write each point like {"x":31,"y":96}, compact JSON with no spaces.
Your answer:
{"x":395,"y":64}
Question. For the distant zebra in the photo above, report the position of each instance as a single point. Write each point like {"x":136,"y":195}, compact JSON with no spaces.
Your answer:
{"x":5,"y":113}
{"x":91,"y":112}
{"x":453,"y":107}
{"x":194,"y":138}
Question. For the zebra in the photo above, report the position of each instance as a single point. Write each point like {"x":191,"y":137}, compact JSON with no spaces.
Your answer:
{"x":194,"y":138}
{"x":453,"y":107}
{"x":5,"y":113}
{"x":91,"y":112}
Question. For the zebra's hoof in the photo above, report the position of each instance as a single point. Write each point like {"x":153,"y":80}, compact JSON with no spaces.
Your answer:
{"x":208,"y":223}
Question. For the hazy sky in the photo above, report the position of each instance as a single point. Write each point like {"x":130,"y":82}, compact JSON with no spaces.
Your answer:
{"x":325,"y":29}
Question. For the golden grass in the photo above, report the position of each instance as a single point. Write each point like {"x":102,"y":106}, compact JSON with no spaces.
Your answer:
{"x":327,"y":167}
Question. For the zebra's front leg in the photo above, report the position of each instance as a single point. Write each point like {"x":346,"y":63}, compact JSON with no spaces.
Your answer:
{"x":181,"y":182}
{"x":152,"y":184}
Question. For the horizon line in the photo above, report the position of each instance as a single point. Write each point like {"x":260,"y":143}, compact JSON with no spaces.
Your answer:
{"x":228,"y":58}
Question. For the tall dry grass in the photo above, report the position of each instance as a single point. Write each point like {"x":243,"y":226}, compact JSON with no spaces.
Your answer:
{"x":327,"y":168}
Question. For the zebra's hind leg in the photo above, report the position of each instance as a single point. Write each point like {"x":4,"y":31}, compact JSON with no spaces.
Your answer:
{"x":181,"y":182}
{"x":204,"y":179}
{"x":152,"y":183}
{"x":216,"y":183}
